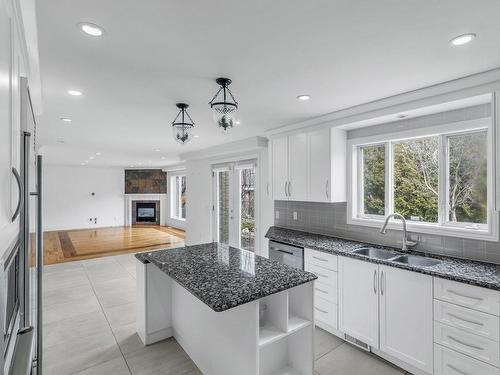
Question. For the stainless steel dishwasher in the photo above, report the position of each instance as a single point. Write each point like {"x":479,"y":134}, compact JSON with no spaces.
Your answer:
{"x":287,"y":254}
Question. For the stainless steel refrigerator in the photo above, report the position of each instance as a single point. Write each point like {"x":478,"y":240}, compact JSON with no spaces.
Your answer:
{"x":22,"y":264}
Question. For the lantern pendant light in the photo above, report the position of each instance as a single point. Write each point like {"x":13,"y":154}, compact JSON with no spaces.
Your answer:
{"x":224,"y":105}
{"x":183,"y":125}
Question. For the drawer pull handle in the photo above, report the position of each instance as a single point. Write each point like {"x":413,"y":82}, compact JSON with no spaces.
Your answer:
{"x":321,"y":290}
{"x":465,"y":320}
{"x":323,"y":311}
{"x":464,"y":295}
{"x":457,"y":370}
{"x":320,"y":274}
{"x":465,"y":344}
{"x":321,"y":259}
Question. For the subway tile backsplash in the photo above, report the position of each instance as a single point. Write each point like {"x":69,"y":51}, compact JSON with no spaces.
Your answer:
{"x":331,"y":219}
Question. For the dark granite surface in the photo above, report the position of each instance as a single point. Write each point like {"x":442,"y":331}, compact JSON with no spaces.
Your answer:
{"x":475,"y":273}
{"x":224,"y":277}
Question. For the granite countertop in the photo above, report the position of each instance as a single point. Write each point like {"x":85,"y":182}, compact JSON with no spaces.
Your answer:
{"x":467,"y":271}
{"x":224,"y":277}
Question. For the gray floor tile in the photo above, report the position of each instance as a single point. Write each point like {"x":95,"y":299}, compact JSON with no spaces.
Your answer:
{"x":60,"y":267}
{"x":324,"y":342}
{"x":127,"y":338}
{"x":67,"y":295}
{"x":67,"y":331}
{"x":115,"y":292}
{"x":166,"y":358}
{"x":348,"y":360}
{"x":64,"y":279}
{"x":120,"y":315}
{"x":82,"y":354}
{"x":59,"y":311}
{"x":116,"y":366}
{"x":103,"y":272}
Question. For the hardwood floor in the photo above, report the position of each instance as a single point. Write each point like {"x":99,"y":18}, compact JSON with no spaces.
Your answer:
{"x":66,"y":246}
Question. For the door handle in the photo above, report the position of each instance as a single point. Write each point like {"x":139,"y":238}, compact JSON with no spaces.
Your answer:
{"x":375,"y":281}
{"x":20,"y":200}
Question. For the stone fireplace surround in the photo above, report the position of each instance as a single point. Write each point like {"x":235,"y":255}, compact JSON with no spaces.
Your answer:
{"x":161,"y":200}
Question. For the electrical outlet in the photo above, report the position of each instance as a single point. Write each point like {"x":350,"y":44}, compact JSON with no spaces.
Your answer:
{"x":294,"y":215}
{"x":276,"y":215}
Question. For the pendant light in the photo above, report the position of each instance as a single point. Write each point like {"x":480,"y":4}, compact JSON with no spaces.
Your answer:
{"x":183,"y":125}
{"x":224,"y":105}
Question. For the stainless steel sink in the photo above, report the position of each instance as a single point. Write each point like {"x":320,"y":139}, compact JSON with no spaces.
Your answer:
{"x":373,"y":252}
{"x":415,"y":260}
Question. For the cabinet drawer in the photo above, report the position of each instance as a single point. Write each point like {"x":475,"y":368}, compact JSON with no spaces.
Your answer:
{"x":472,"y":321}
{"x":326,"y":312}
{"x":321,"y":259}
{"x":473,"y":345}
{"x":325,"y":276}
{"x":450,"y":362}
{"x":470,"y":296}
{"x":326,"y":291}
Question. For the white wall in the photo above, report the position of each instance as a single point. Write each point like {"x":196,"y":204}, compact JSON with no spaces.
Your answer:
{"x":68,"y":203}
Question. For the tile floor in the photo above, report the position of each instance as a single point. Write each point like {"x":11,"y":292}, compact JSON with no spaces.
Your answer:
{"x":89,"y":329}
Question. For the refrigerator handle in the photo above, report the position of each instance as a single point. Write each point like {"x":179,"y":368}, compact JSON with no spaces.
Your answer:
{"x":39,"y":261}
{"x":20,"y":201}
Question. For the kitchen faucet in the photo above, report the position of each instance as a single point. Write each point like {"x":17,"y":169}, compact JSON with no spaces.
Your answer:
{"x":406,"y":243}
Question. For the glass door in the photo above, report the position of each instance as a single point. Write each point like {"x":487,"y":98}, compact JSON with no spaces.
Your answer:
{"x":234,"y":205}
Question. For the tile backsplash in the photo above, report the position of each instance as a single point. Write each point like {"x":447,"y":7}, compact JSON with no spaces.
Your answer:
{"x":331,"y":219}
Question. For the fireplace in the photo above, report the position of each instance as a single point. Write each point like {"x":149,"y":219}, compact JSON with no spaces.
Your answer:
{"x":146,"y":212}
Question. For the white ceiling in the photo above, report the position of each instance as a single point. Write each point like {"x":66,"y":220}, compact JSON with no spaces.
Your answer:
{"x":157,"y":52}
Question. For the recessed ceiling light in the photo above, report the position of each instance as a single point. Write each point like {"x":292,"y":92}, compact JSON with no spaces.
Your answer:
{"x":304,"y":97}
{"x":238,"y":122}
{"x":91,"y":29}
{"x":91,"y":158}
{"x":462,"y":39}
{"x":196,"y":136}
{"x":98,"y":153}
{"x":64,"y":119}
{"x":132,"y":166}
{"x":163,"y":157}
{"x":75,"y":92}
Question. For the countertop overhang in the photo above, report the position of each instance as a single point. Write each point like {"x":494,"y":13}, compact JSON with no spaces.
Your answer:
{"x":224,"y":277}
{"x":486,"y":275}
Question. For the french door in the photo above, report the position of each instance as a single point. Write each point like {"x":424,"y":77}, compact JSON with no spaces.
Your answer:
{"x":234,"y":210}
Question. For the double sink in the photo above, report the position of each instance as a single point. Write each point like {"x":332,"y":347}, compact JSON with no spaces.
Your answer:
{"x":411,"y":260}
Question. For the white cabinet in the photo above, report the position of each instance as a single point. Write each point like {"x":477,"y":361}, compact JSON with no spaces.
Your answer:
{"x":310,"y":166}
{"x":297,"y":167}
{"x":280,"y":168}
{"x":358,"y":299}
{"x":406,"y":316}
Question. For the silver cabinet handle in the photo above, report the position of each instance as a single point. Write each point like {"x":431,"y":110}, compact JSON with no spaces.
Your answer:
{"x":321,"y":259}
{"x":457,"y":370}
{"x":321,"y":290}
{"x":289,"y":188}
{"x":464,"y":295}
{"x":464,"y":343}
{"x":326,"y":189}
{"x":286,"y":194}
{"x":267,"y":189}
{"x":20,"y":200}
{"x":375,"y":281}
{"x":323,"y":311}
{"x":465,"y":320}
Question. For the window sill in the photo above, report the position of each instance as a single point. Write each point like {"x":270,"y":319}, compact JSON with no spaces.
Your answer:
{"x":177,"y":218}
{"x":440,"y":230}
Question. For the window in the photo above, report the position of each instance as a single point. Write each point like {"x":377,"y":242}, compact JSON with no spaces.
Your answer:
{"x":440,"y":182}
{"x":178,"y":197}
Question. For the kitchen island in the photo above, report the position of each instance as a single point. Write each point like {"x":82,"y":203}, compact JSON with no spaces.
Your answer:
{"x":232,"y":311}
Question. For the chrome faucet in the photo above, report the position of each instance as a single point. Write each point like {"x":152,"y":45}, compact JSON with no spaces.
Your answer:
{"x":406,"y":243}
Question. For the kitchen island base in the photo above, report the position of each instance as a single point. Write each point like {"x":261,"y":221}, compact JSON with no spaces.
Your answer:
{"x":269,"y":336}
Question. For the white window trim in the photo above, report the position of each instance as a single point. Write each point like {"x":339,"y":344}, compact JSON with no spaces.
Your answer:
{"x":453,"y":230}
{"x":171,"y":177}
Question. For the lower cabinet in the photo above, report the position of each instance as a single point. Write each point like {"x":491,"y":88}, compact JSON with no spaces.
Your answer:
{"x":406,"y":316}
{"x":388,"y":309}
{"x":358,"y":300}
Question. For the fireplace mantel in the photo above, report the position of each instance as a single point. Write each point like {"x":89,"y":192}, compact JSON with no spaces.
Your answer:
{"x":129,"y":198}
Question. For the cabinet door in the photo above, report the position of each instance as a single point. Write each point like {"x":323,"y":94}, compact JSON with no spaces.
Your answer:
{"x":280,"y":168}
{"x":358,"y":299}
{"x":338,"y":159}
{"x":298,"y":167}
{"x":319,"y":166}
{"x":406,"y":316}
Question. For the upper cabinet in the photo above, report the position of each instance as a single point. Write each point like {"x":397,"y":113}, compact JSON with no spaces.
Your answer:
{"x":310,"y":166}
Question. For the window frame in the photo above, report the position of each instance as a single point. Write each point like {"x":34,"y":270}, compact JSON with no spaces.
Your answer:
{"x":175,"y":196}
{"x":355,"y":202}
